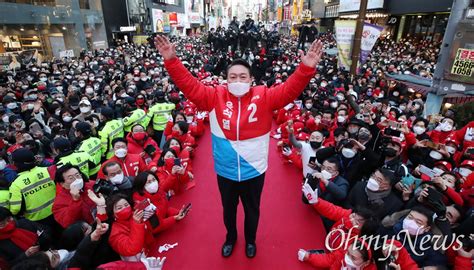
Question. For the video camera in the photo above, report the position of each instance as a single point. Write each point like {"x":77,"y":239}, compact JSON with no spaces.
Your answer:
{"x":104,"y":187}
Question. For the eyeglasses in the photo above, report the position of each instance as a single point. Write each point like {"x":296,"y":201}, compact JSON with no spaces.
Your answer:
{"x":73,"y":177}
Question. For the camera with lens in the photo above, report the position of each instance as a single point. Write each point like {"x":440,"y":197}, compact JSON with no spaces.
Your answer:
{"x":104,"y":187}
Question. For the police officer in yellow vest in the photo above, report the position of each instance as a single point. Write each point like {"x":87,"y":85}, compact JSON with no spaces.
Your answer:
{"x":33,"y":191}
{"x":159,"y":114}
{"x":90,"y":145}
{"x":65,"y":154}
{"x":110,"y":129}
{"x":135,"y":115}
{"x":4,"y":197}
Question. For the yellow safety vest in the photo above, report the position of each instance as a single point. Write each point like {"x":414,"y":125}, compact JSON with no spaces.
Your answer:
{"x":112,"y":129}
{"x":93,"y":147}
{"x":159,"y":113}
{"x":79,"y":159}
{"x":138,"y":116}
{"x":34,"y":190}
{"x":5,"y":198}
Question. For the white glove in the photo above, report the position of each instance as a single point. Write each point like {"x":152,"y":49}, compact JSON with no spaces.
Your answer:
{"x":302,"y":254}
{"x":153,"y":263}
{"x":310,"y":194}
{"x":286,"y":152}
{"x":289,"y":106}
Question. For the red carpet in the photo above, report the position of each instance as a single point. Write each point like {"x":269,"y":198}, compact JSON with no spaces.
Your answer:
{"x":286,"y":224}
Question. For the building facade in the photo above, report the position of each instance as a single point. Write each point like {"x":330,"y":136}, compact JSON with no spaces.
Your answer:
{"x":52,"y":26}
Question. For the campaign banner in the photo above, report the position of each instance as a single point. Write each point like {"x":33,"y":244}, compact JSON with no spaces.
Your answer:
{"x":370,"y":34}
{"x":463,"y":63}
{"x":345,"y":31}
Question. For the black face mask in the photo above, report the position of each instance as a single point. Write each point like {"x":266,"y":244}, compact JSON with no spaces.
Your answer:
{"x":390,"y":152}
{"x":315,"y":145}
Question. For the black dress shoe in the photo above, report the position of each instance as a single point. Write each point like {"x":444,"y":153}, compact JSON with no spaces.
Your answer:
{"x":227,"y":249}
{"x":251,"y":250}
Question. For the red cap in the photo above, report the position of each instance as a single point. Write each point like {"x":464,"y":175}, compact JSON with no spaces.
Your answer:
{"x":302,"y":136}
{"x":298,"y":126}
{"x":189,"y":111}
{"x":445,"y":164}
{"x":469,"y":163}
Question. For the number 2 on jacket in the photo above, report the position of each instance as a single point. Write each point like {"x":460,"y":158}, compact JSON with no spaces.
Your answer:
{"x":253,"y":108}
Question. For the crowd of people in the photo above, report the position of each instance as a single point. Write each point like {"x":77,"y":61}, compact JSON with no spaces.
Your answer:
{"x":94,"y":148}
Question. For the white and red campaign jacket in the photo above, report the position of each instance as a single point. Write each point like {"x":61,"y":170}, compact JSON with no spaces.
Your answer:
{"x":240,"y":127}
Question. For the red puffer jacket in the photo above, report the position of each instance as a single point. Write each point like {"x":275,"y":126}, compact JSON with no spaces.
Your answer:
{"x":342,"y":222}
{"x":66,"y":211}
{"x":132,"y":165}
{"x":138,"y":148}
{"x":174,"y":182}
{"x":129,"y":238}
{"x":163,"y":211}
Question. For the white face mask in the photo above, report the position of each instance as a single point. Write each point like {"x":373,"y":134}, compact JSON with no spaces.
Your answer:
{"x":333,"y":105}
{"x":446,"y":127}
{"x":43,"y":79}
{"x":451,"y":149}
{"x":30,"y":106}
{"x":341,"y":119}
{"x":419,"y":130}
{"x":67,"y":119}
{"x":3,"y":164}
{"x":189,"y":119}
{"x":6,"y":119}
{"x":373,"y":185}
{"x":326,"y":175}
{"x":152,"y":188}
{"x":85,"y":109}
{"x":308,"y":106}
{"x":435,"y":155}
{"x":324,"y":84}
{"x":77,"y":184}
{"x":63,"y":253}
{"x":465,"y":172}
{"x":239,"y":89}
{"x":396,"y":94}
{"x":349,"y":262}
{"x":121,"y":153}
{"x":118,"y":179}
{"x":402,"y":108}
{"x":348,"y":153}
{"x":12,"y":105}
{"x":411,"y":227}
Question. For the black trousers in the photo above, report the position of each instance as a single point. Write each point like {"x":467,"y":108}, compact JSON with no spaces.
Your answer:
{"x":249,"y":192}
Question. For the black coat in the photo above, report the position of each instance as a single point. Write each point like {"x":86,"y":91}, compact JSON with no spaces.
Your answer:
{"x":12,"y":253}
{"x":358,"y":197}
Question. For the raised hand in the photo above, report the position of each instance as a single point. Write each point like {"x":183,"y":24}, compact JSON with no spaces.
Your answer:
{"x":100,"y":230}
{"x":98,"y":199}
{"x":153,"y":263}
{"x":310,"y":194}
{"x":165,"y":47}
{"x":313,"y":56}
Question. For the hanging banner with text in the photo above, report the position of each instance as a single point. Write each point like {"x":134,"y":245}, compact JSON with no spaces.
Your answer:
{"x":345,"y":31}
{"x":370,"y":34}
{"x":463,"y":63}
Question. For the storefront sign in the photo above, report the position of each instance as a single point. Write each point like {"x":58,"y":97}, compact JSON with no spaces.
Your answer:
{"x":66,"y":53}
{"x":194,"y":17}
{"x":157,"y":17}
{"x":392,"y":21}
{"x":128,"y":28}
{"x":166,"y":23}
{"x":354,"y":5}
{"x":463,"y":63}
{"x":345,"y":31}
{"x":173,"y":16}
{"x":307,"y":14}
{"x":370,"y":34}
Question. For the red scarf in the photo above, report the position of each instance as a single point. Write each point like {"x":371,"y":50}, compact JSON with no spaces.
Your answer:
{"x":22,"y":238}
